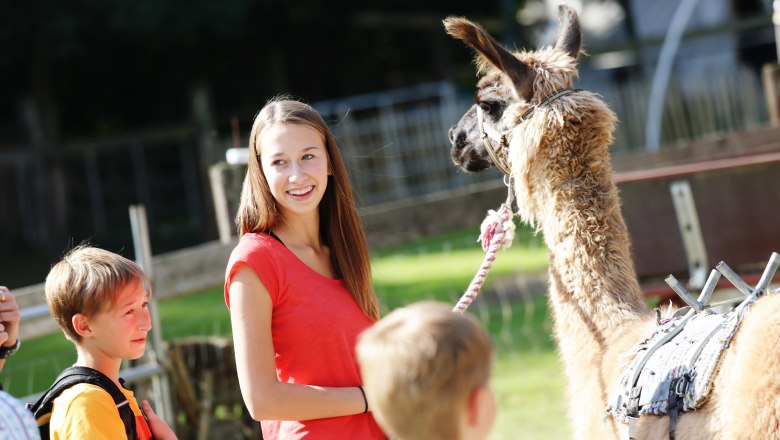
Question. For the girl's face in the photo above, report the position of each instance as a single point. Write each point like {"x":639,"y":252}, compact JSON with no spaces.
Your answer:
{"x":295,"y":163}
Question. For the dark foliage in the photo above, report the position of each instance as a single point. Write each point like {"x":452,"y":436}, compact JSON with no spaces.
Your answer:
{"x":110,"y":66}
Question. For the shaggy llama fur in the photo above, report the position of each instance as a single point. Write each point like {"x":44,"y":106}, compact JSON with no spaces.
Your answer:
{"x":565,"y":186}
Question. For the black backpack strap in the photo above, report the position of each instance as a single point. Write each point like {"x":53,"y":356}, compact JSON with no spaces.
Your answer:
{"x":76,"y":375}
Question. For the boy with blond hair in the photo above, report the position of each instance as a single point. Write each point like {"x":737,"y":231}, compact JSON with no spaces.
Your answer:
{"x":100,"y":299}
{"x":426,"y":373}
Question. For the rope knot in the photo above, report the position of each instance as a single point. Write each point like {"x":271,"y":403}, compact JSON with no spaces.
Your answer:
{"x":498,"y":228}
{"x":497,"y":232}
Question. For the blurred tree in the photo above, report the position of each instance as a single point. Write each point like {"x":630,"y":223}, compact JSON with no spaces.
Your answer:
{"x":83,"y":68}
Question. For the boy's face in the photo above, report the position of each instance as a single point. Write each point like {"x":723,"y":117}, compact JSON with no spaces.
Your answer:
{"x":120,"y":331}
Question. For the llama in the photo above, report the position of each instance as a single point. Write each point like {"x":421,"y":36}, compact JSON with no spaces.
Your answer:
{"x":554,"y":142}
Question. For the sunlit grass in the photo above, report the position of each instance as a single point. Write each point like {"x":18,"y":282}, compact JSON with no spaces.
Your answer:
{"x":442,"y":268}
{"x":529,"y":387}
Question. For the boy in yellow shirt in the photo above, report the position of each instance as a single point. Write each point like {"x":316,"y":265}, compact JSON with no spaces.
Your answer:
{"x":100,"y":299}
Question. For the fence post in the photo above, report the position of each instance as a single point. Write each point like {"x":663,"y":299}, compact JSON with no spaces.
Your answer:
{"x":690,"y":230}
{"x":221,"y":206}
{"x":771,"y":75}
{"x":143,"y":256}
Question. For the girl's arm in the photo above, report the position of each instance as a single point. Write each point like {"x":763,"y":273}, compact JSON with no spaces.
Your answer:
{"x":265,"y":397}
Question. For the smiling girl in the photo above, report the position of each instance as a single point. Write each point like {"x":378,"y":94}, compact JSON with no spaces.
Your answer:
{"x":298,"y":284}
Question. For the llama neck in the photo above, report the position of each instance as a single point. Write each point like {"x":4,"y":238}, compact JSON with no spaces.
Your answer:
{"x":594,"y":294}
{"x":593,"y":286}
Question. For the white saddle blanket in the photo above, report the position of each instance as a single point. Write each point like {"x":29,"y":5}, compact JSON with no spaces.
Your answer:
{"x":688,"y":363}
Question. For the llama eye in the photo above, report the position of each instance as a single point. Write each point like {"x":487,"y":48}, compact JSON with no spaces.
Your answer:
{"x":486,"y":107}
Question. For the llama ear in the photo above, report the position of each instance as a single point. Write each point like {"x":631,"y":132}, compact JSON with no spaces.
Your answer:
{"x":489,"y":51}
{"x":569,"y":34}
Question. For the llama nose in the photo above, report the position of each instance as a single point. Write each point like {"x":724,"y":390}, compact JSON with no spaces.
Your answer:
{"x":451,"y":134}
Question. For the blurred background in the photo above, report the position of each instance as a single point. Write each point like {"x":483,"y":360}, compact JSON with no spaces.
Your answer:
{"x":111,"y":104}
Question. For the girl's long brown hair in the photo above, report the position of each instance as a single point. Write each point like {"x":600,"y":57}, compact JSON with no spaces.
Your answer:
{"x":340,"y":227}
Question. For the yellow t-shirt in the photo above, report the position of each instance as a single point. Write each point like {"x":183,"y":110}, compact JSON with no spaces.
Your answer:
{"x":87,"y":412}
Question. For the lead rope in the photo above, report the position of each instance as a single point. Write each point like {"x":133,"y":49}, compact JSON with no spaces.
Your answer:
{"x":496,"y":232}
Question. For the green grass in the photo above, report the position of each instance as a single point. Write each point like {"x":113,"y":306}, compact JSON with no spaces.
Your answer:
{"x":529,"y":387}
{"x":527,"y":376}
{"x":441,"y":268}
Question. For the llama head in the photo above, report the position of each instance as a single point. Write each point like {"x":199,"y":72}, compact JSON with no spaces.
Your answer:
{"x":549,"y":137}
{"x":510,"y":84}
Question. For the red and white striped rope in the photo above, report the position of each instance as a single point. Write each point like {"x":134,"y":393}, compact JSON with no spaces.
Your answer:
{"x":497,"y":232}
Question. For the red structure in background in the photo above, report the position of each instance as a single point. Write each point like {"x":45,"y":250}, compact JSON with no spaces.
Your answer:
{"x":734,"y":183}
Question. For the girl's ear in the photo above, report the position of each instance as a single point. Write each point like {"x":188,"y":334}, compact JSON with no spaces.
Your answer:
{"x":81,"y":325}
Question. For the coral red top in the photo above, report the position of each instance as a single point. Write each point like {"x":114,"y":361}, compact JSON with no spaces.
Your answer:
{"x":314,"y":325}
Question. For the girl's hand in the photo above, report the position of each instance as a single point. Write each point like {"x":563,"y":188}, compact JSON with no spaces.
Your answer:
{"x":160,"y":429}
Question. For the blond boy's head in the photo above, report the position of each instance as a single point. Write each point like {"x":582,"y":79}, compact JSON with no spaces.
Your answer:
{"x":424,"y":370}
{"x":86,"y":281}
